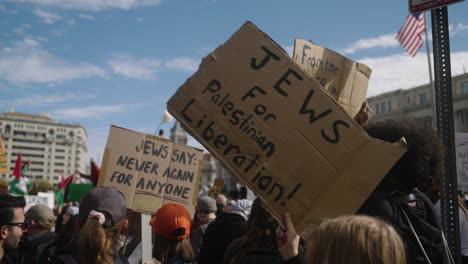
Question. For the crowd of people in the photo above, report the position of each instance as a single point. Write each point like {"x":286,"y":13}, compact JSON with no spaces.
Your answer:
{"x":398,"y":223}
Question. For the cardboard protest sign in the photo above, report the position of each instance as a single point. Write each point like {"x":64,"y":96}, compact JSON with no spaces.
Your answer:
{"x":3,"y":161}
{"x":461,"y":149}
{"x":32,"y":200}
{"x":219,"y":182}
{"x":276,"y":129}
{"x":76,"y":191}
{"x":343,"y":78}
{"x":3,"y":189}
{"x":50,"y":198}
{"x":151,"y":171}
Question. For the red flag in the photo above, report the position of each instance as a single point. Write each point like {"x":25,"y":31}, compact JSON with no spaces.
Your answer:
{"x":64,"y":182}
{"x":18,"y":167}
{"x":409,"y":35}
{"x":94,"y":172}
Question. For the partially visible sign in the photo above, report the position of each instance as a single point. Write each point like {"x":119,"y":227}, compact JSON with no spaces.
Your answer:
{"x":3,"y":161}
{"x":344,"y":79}
{"x":418,"y":6}
{"x":32,"y":200}
{"x":219,"y":182}
{"x":76,"y":191}
{"x":50,"y":197}
{"x":151,"y":171}
{"x":279,"y":132}
{"x":3,"y":189}
{"x":461,"y":149}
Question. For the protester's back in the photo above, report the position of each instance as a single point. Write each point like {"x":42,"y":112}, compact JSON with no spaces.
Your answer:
{"x":39,"y":238}
{"x":102,"y":212}
{"x":397,"y":199}
{"x":259,"y":245}
{"x":220,"y":233}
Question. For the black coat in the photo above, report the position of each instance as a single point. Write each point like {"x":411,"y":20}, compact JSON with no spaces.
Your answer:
{"x":219,"y":234}
{"x":423,"y":218}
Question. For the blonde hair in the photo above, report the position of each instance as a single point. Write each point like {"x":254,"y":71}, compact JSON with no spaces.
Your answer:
{"x":97,"y":245}
{"x":46,"y":224}
{"x":355,"y":239}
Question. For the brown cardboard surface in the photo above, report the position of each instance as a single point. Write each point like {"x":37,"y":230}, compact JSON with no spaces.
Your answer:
{"x":278,"y":131}
{"x":344,"y":79}
{"x":151,"y":171}
{"x":3,"y":161}
{"x":3,"y":189}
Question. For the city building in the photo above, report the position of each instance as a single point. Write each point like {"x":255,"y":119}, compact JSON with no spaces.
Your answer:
{"x":178,"y":134}
{"x":50,"y":146}
{"x":418,"y":103}
{"x":213,"y":169}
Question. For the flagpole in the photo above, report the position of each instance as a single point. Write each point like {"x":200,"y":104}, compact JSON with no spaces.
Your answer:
{"x":431,"y":82}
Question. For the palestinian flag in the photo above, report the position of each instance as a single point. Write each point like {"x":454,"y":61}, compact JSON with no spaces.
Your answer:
{"x":19,"y":184}
{"x":94,"y":173}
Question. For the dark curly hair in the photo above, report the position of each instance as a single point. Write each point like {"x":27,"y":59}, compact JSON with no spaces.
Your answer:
{"x":420,"y":164}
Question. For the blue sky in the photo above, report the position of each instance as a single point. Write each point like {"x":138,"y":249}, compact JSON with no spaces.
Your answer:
{"x":103,"y":62}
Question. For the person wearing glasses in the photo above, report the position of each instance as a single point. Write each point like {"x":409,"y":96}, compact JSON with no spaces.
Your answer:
{"x":12,"y":222}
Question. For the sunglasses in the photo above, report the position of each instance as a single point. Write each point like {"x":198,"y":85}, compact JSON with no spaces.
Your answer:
{"x":22,"y":225}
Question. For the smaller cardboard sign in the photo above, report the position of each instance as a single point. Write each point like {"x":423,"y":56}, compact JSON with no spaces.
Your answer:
{"x":3,"y":161}
{"x":344,"y":79}
{"x":151,"y":171}
{"x":3,"y":189}
{"x":218,"y":182}
{"x":461,"y":149}
{"x":50,"y":197}
{"x":77,"y":190}
{"x":32,"y":200}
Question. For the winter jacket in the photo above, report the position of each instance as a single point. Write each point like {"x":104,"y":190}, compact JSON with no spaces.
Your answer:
{"x":219,"y":234}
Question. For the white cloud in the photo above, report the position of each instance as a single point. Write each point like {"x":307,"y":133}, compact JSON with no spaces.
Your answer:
{"x":47,"y":17}
{"x":401,"y":71}
{"x":71,"y":21}
{"x":92,"y":5}
{"x":455,"y":29}
{"x":38,"y":100}
{"x":86,"y":16}
{"x":93,"y":111}
{"x":21,"y":29}
{"x":130,"y":67}
{"x":140,"y":19}
{"x":383,"y":41}
{"x":184,"y":64}
{"x":28,"y":62}
{"x":289,"y":49}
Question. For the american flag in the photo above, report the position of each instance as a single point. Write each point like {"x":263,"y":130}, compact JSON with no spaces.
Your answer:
{"x":409,"y":35}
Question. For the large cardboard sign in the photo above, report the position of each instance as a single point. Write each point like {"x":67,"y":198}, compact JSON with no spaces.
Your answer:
{"x":3,"y":161}
{"x":344,"y":79}
{"x":461,"y":149}
{"x":151,"y":171}
{"x":276,"y":129}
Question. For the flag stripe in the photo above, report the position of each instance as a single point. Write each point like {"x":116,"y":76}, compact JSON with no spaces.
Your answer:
{"x":409,"y":34}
